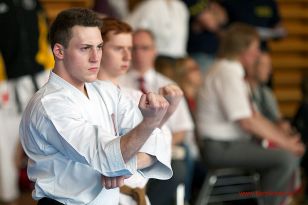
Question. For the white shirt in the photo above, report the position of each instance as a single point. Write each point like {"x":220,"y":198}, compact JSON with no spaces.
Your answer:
{"x":137,"y":180}
{"x":72,"y":140}
{"x":223,"y":99}
{"x":168,"y":20}
{"x":181,"y":119}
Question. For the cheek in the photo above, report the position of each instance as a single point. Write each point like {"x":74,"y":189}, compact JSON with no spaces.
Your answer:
{"x":194,"y":77}
{"x":265,"y":74}
{"x":107,"y":59}
{"x":73,"y":61}
{"x":252,"y":59}
{"x":260,"y":74}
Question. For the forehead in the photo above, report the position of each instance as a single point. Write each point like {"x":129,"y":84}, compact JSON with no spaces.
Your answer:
{"x":255,"y":43}
{"x":190,"y":62}
{"x":142,"y":37}
{"x":85,"y":35}
{"x":121,"y":39}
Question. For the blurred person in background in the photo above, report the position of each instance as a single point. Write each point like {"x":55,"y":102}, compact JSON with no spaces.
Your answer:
{"x":207,"y":19}
{"x":24,"y":57}
{"x":167,"y":20}
{"x":262,"y":95}
{"x":300,"y":122}
{"x":117,"y":9}
{"x":142,"y":76}
{"x":230,"y":125}
{"x":264,"y":15}
{"x":187,"y":75}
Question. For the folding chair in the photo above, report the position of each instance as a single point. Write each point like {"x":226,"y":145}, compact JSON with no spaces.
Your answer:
{"x":227,"y":184}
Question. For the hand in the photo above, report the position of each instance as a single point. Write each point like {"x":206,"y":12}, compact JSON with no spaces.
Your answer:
{"x":286,"y":127}
{"x":112,"y":182}
{"x":173,"y":94}
{"x":295,"y":145}
{"x":153,"y":108}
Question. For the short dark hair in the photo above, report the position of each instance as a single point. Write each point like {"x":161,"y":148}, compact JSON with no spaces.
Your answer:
{"x":60,"y":30}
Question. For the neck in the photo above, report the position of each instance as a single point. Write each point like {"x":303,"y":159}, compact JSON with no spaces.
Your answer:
{"x":80,"y":85}
{"x":104,"y":76}
{"x":142,"y":70}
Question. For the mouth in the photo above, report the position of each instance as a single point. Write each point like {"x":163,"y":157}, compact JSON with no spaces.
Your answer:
{"x":124,"y":66}
{"x":93,"y":69}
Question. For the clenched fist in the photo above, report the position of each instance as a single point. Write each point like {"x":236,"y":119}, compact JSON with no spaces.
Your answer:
{"x":112,"y":182}
{"x":173,"y":94}
{"x":153,"y":108}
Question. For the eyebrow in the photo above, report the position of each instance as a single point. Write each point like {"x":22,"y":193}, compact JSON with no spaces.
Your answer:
{"x":90,"y":45}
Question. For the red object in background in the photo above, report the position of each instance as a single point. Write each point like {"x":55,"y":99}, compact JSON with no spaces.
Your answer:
{"x":5,"y":97}
{"x":24,"y":183}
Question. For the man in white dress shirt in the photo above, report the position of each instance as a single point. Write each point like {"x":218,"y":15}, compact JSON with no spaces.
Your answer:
{"x":143,"y":58}
{"x":232,"y":128}
{"x":83,"y":139}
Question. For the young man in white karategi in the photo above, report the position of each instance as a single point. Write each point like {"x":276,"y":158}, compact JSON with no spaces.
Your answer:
{"x":83,"y":139}
{"x":117,"y":37}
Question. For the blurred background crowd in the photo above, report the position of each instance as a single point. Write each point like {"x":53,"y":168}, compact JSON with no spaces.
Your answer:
{"x":241,"y":65}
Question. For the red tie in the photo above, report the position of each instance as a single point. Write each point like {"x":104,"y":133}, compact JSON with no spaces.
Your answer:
{"x":142,"y":85}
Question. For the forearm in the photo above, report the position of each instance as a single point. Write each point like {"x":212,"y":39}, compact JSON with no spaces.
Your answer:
{"x":261,"y":127}
{"x":165,"y":118}
{"x":131,"y":143}
{"x":145,"y":160}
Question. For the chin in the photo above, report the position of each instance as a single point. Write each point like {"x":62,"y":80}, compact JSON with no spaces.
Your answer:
{"x":123,"y":71}
{"x":90,"y":80}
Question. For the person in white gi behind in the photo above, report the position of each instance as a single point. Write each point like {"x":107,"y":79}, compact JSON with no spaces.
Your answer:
{"x":117,"y":37}
{"x":83,"y":139}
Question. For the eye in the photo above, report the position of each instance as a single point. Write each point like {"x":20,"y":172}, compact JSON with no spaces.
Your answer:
{"x":85,"y":48}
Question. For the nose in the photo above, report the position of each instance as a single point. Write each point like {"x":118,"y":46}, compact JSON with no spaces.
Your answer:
{"x":95,"y":55}
{"x":127,"y":55}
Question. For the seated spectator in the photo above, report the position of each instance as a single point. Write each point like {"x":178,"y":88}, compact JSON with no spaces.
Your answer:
{"x":230,"y":126}
{"x":187,"y":75}
{"x":300,"y":121}
{"x":266,"y":103}
{"x":262,"y":95}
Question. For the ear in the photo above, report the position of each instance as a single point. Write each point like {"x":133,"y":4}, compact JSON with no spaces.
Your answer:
{"x":58,"y":51}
